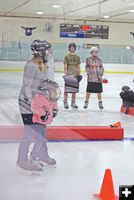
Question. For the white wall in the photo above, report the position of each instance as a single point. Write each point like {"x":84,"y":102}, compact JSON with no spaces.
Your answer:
{"x":10,"y":29}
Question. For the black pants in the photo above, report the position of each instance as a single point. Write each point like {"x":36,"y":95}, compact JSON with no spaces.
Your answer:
{"x":127,"y":104}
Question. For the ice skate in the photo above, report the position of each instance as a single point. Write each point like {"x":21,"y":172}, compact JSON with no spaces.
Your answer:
{"x":42,"y":162}
{"x":73,"y":105}
{"x":28,"y":168}
{"x":66,"y":106}
{"x":36,"y":162}
{"x":100,"y":105}
{"x":47,"y":161}
{"x":86,"y":105}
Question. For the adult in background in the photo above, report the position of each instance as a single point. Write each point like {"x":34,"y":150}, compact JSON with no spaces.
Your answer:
{"x":95,"y":70}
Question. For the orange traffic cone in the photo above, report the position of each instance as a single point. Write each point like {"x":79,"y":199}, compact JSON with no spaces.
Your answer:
{"x":107,"y":188}
{"x":117,"y":124}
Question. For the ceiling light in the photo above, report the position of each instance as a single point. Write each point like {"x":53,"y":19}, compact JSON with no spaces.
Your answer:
{"x":128,"y":47}
{"x":39,"y":13}
{"x":131,"y":11}
{"x":56,"y":6}
{"x":106,"y":16}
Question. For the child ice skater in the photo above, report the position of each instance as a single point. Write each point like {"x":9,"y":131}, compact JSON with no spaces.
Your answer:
{"x":72,"y":71}
{"x":95,"y":70}
{"x":127,"y":96}
{"x":35,"y":74}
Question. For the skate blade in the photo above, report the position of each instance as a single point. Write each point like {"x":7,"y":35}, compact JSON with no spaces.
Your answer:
{"x":42,"y":164}
{"x":28,"y":173}
{"x":74,"y":108}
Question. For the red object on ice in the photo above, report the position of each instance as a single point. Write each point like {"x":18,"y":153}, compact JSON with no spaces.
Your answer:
{"x":66,"y":133}
{"x":107,"y":189}
{"x":130,"y":111}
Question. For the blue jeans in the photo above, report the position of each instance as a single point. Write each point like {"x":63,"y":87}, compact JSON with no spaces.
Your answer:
{"x":37,"y":134}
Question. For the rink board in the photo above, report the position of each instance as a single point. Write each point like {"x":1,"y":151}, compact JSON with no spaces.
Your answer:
{"x":66,"y":133}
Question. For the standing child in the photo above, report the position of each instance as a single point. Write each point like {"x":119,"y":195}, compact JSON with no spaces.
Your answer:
{"x":95,"y":70}
{"x":44,"y":107}
{"x":72,"y":71}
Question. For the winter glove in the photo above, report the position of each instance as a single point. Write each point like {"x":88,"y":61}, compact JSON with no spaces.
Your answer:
{"x":45,"y":117}
{"x":55,"y":112}
{"x":27,"y":100}
{"x":79,"y":78}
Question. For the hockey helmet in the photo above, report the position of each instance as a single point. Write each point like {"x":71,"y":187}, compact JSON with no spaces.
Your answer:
{"x":41,"y":48}
{"x":94,"y":49}
{"x":125,"y":88}
{"x":50,"y":89}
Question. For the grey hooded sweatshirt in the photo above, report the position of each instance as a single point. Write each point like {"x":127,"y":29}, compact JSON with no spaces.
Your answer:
{"x":32,"y":78}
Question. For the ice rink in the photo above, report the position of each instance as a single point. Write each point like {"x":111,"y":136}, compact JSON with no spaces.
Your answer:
{"x":80,"y":165}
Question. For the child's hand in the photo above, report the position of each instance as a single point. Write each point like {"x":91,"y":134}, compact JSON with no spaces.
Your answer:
{"x":55,"y":112}
{"x":45,"y":117}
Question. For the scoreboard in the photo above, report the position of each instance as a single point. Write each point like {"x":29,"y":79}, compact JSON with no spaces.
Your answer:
{"x":84,"y":31}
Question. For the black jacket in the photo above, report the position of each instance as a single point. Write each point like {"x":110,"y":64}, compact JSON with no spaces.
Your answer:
{"x":127,"y":96}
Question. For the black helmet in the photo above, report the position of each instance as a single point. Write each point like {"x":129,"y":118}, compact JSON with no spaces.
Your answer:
{"x":41,"y":48}
{"x":125,"y":88}
{"x":72,"y":45}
